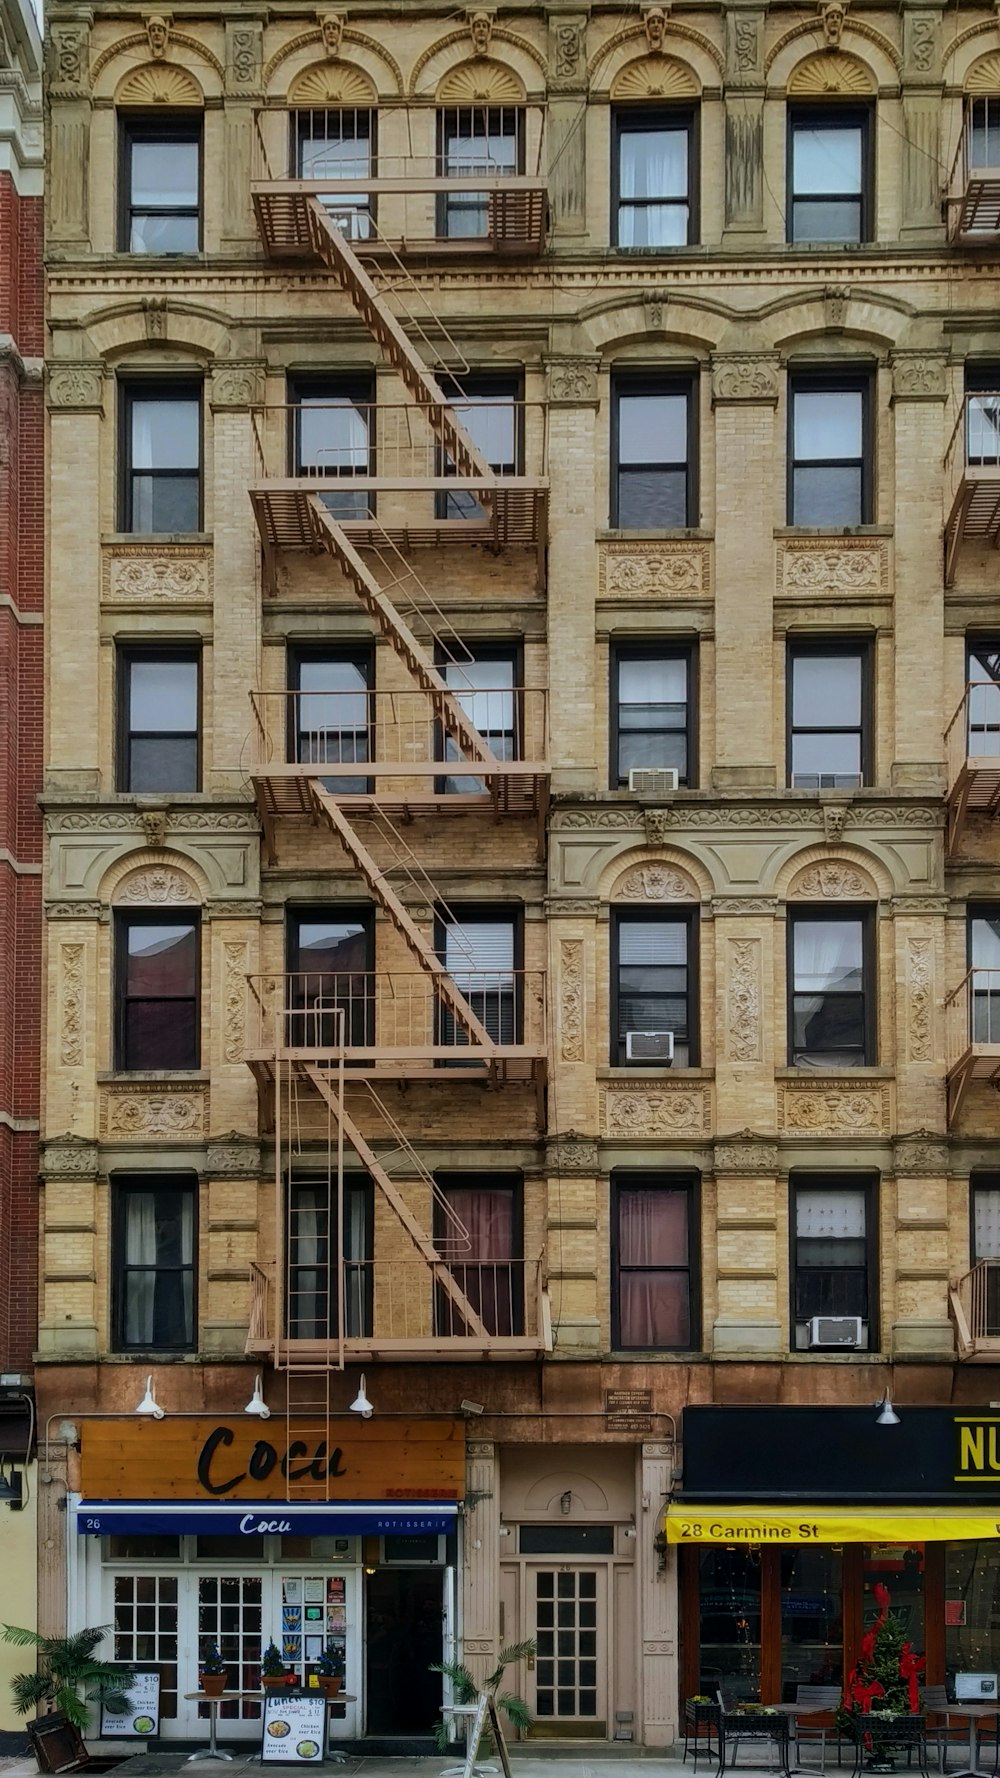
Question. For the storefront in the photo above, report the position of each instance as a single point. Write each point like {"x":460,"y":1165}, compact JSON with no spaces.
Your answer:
{"x":790,"y":1517}
{"x":182,"y":1535}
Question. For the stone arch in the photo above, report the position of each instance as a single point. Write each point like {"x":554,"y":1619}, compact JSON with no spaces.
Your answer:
{"x":154,"y":879}
{"x":655,"y":77}
{"x":984,"y":74}
{"x":131,"y":53}
{"x":830,"y":74}
{"x":130,"y":327}
{"x":616,"y":322}
{"x":661,"y":875}
{"x":159,"y":83}
{"x":480,"y":81}
{"x":968,"y":50}
{"x":824,"y":873}
{"x":544,"y":1495}
{"x":860,"y":43}
{"x":691,"y":47}
{"x":362,"y":52}
{"x":856,"y":315}
{"x":448,"y":52}
{"x":324,"y":84}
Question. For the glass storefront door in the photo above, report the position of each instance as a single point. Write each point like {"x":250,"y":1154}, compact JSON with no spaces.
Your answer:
{"x":812,"y":1620}
{"x":730,"y":1620}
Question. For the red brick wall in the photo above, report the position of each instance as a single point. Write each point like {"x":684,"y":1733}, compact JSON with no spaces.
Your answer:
{"x":21,"y":685}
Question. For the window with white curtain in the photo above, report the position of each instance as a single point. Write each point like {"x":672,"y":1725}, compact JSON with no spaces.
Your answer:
{"x":160,"y":185}
{"x":161,"y":457}
{"x":831,"y":1249}
{"x":487,"y":1263}
{"x":653,"y":178}
{"x":651,"y":710}
{"x":485,"y":681}
{"x":831,"y":981}
{"x":154,"y":1285}
{"x":315,"y":1273}
{"x":829,"y":174}
{"x":333,"y":438}
{"x":654,"y":1247}
{"x":653,"y":977}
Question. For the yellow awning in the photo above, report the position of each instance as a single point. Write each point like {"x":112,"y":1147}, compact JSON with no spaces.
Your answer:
{"x":707,"y":1525}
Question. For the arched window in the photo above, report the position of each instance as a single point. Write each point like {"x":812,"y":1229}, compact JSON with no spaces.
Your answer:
{"x":654,"y":185}
{"x":333,"y":124}
{"x":480,"y":129}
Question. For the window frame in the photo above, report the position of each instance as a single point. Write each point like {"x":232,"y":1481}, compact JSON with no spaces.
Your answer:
{"x":866,"y":913}
{"x":678,"y":913}
{"x":355,"y":1178}
{"x":650,"y":382}
{"x":481,"y":385}
{"x":493,"y":650}
{"x":867,"y":1182}
{"x":651,"y":1179}
{"x":124,"y":918}
{"x":980,"y":1179}
{"x":488,"y":1179}
{"x":127,"y":655}
{"x":359,"y":654}
{"x":157,"y":388}
{"x":352,"y":913}
{"x":809,"y":115}
{"x":486,"y":912}
{"x":296,"y":139}
{"x":850,"y":381}
{"x":978,"y":645}
{"x":121,"y":1184}
{"x":629,"y":119}
{"x":654,"y":648}
{"x":181,"y":126}
{"x":798,"y":647}
{"x":464,"y":200}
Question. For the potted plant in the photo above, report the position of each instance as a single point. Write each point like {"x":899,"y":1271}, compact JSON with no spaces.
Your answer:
{"x":466,"y":1690}
{"x":883,"y":1684}
{"x":66,"y":1667}
{"x":212,"y":1672}
{"x":272,"y":1669}
{"x":330,"y":1670}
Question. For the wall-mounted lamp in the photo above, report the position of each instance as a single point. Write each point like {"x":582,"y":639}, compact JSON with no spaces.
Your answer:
{"x":361,"y":1405}
{"x":257,"y":1405}
{"x":566,"y":1502}
{"x":888,"y":1416}
{"x":149,"y":1404}
{"x":660,"y":1546}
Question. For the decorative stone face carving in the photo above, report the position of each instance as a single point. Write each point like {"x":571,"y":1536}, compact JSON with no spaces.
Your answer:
{"x":655,"y":882}
{"x":331,"y":30}
{"x":745,"y":379}
{"x":481,"y":32}
{"x":832,"y":882}
{"x":655,"y":21}
{"x":833,"y":15}
{"x":158,"y":33}
{"x":157,"y":887}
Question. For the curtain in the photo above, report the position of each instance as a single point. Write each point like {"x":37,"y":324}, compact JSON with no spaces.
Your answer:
{"x":479,"y":956}
{"x":986,"y":982}
{"x":987,"y":1222}
{"x":308,"y":1317}
{"x":159,"y":1262}
{"x":489,"y":1275}
{"x":140,"y":1251}
{"x":653,"y":1285}
{"x":652,"y":164}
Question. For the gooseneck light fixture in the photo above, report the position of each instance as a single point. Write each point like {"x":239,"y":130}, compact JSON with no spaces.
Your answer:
{"x":257,"y":1405}
{"x":888,"y":1416}
{"x":149,"y":1404}
{"x":361,"y":1405}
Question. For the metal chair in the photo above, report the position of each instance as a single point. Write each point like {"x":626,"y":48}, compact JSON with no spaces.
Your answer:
{"x":818,"y":1698}
{"x":943,"y":1733}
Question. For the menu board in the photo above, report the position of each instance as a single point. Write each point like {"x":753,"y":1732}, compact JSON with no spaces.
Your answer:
{"x":294,"y":1728}
{"x":143,"y":1715}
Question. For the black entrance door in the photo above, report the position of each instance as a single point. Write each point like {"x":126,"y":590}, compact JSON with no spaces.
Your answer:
{"x":405,"y":1634}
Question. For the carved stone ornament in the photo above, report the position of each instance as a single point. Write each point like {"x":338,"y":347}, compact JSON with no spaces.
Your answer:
{"x":184,"y":820}
{"x":922,"y":1151}
{"x":745,"y":379}
{"x":630,"y":1109}
{"x":656,"y":825}
{"x":69,"y":61}
{"x":746,"y":43}
{"x":245,"y":58}
{"x":836,"y":1108}
{"x":152,"y":574}
{"x":571,"y":999}
{"x":78,"y":386}
{"x":920,"y":998}
{"x":745,"y":1153}
{"x":158,"y":33}
{"x":234,"y":998}
{"x":654,"y":19}
{"x":744,"y":904}
{"x":920,"y":41}
{"x":849,"y":567}
{"x":722,"y":817}
{"x":155,"y":312}
{"x":655,"y":882}
{"x":71,"y":1004}
{"x":154,"y":828}
{"x":331,"y":30}
{"x":68,"y":1157}
{"x":569,"y":47}
{"x":73,"y":910}
{"x":152,"y":1111}
{"x":743,"y":1001}
{"x":655,"y":309}
{"x":832,"y":16}
{"x":573,"y":1154}
{"x":572,"y":381}
{"x":918,"y":376}
{"x":157,"y":887}
{"x":481,"y":31}
{"x":654,"y":571}
{"x":832,"y":882}
{"x":834,"y":822}
{"x":233,"y":1157}
{"x":835,"y":300}
{"x":238,"y":386}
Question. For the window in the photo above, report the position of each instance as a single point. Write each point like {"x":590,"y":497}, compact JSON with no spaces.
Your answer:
{"x":157,"y":991}
{"x":489,"y":410}
{"x":985,"y":1205}
{"x":331,"y":960}
{"x":652,"y":710}
{"x":829,"y":727}
{"x":653,"y":983}
{"x":984,"y":960}
{"x":829,"y":452}
{"x":153,"y":1305}
{"x":475,"y":142}
{"x":312,"y":1309}
{"x":982,"y":415}
{"x":982,"y":673}
{"x":333,"y":428}
{"x":833,"y":1252}
{"x":489,"y":1263}
{"x":654,"y":178}
{"x":486,"y":683}
{"x":829,"y":174}
{"x":161,"y":457}
{"x":652,"y":485}
{"x":158,"y":709}
{"x":330,"y":711}
{"x":654,"y":1243}
{"x":160,"y":186}
{"x":481,"y":950}
{"x":338,"y":145}
{"x":982,"y":131}
{"x":830,"y":967}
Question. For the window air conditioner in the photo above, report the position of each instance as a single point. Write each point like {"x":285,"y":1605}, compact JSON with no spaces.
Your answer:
{"x":649,"y":1046}
{"x":835,"y":1330}
{"x":826,"y":781}
{"x":653,"y":780}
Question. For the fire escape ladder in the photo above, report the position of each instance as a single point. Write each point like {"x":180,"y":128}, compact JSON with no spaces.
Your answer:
{"x":333,"y":248}
{"x":389,"y":902}
{"x":436,"y":1262}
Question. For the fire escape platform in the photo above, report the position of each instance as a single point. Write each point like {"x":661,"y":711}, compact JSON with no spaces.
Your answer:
{"x":974,"y":216}
{"x":512,"y":787}
{"x":517,"y":210}
{"x":974,"y":515}
{"x":979,"y":1062}
{"x":514,"y":512}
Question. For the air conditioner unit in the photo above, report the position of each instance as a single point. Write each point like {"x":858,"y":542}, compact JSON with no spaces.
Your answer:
{"x":649,"y":1046}
{"x":826,"y":781}
{"x":653,"y":780}
{"x":835,"y":1330}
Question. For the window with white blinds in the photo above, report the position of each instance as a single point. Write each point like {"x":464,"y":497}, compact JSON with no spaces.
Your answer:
{"x":651,"y":982}
{"x":479,"y":954}
{"x":831,"y":1252}
{"x":986,"y":1221}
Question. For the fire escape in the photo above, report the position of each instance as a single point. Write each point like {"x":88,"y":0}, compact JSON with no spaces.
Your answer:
{"x":333,"y":1057}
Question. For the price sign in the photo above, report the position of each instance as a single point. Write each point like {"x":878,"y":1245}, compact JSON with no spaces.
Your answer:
{"x":294,"y":1728}
{"x":142,"y":1717}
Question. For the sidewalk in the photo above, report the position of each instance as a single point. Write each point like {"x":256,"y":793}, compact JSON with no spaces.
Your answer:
{"x":528,"y":1763}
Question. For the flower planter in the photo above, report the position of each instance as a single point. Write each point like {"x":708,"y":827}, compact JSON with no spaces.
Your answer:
{"x":276,"y":1682}
{"x":330,"y":1684}
{"x":213,"y":1684}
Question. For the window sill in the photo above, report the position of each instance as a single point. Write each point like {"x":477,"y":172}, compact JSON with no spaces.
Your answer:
{"x":157,"y":1354}
{"x":843,"y":1072}
{"x":670,"y":534}
{"x":634,"y":1071}
{"x":162,"y":539}
{"x":806,"y":531}
{"x":166,"y":1077}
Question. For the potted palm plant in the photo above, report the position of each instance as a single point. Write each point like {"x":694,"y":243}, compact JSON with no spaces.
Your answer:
{"x":467,"y":1690}
{"x":212,"y":1672}
{"x":272,"y":1669}
{"x":67,"y":1666}
{"x":330,"y":1670}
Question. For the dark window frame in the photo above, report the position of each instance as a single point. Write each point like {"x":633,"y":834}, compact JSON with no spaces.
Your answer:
{"x":127,"y":655}
{"x":489,"y":1179}
{"x":654,"y":648}
{"x":481,"y":385}
{"x":360,"y":654}
{"x":493,"y":650}
{"x":851,"y":380}
{"x":980,"y":1179}
{"x":648,"y":1179}
{"x":673,"y":913}
{"x":358,"y":388}
{"x":799,"y":648}
{"x":160,"y":388}
{"x":838,"y":116}
{"x":487,"y":912}
{"x":355,"y":1179}
{"x":639,"y":382}
{"x":296,"y":139}
{"x":122,"y":1184}
{"x":124,"y":919}
{"x":362,"y":1033}
{"x":861,"y":1180}
{"x":981,"y":377}
{"x":841,"y":911}
{"x":149,"y":126}
{"x":978,"y":645}
{"x":447,"y":201}
{"x":629,"y":119}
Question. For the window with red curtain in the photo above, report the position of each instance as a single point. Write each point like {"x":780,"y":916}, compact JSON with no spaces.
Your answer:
{"x":157,"y":992}
{"x":653,"y":1296}
{"x":482,"y":1241}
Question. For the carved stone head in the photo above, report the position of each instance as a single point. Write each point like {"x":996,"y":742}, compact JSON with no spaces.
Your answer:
{"x":158,"y":32}
{"x":655,"y":21}
{"x":331,"y":26}
{"x":481,"y":31}
{"x":833,"y":15}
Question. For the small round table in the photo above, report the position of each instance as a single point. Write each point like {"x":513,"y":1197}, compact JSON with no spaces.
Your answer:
{"x":214,"y":1751}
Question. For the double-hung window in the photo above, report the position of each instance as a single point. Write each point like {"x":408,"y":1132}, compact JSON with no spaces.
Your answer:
{"x":333,"y":433}
{"x":331,"y":716}
{"x":315,"y":1276}
{"x":478,"y":1217}
{"x":160,"y":456}
{"x":489,"y":410}
{"x":486,"y":684}
{"x":984,"y":1191}
{"x":338,"y":145}
{"x":982,"y":416}
{"x":984,"y":961}
{"x":654,"y":1246}
{"x":481,"y":951}
{"x":654,"y":183}
{"x":160,"y":186}
{"x":983,"y":676}
{"x":829,"y":451}
{"x":153,"y":1293}
{"x":829,"y":729}
{"x":331,"y":958}
{"x":831,"y":968}
{"x":475,"y":142}
{"x":829,"y":174}
{"x":653,"y":989}
{"x":833,"y":1253}
{"x":652,"y":710}
{"x":157,"y":970}
{"x":653,"y":480}
{"x":158,"y":719}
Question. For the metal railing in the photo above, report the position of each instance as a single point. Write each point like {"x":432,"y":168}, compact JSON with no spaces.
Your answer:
{"x":353,"y":442}
{"x":976,"y":165}
{"x":342,"y":732}
{"x":975,"y":1308}
{"x":972,"y":1014}
{"x":333,"y":148}
{"x":974,"y":731}
{"x":393,"y":1015}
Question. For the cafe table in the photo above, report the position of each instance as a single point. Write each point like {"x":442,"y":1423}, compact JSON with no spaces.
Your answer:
{"x":770,"y":1725}
{"x":975,"y":1714}
{"x":214,"y":1751}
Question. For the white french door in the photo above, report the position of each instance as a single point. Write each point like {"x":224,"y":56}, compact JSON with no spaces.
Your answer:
{"x":567,"y":1616}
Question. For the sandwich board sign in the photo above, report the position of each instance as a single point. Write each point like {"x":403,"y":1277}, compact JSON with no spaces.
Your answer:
{"x":293,"y":1731}
{"x":142,"y":1717}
